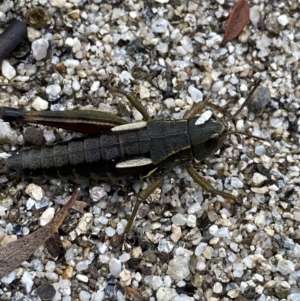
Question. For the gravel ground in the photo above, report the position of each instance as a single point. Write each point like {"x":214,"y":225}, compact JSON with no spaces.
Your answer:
{"x":185,"y":244}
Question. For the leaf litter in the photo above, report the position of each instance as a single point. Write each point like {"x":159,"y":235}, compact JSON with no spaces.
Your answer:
{"x":238,"y":19}
{"x":13,"y":254}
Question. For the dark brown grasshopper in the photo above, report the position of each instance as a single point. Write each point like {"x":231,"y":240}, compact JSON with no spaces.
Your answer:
{"x":122,"y":149}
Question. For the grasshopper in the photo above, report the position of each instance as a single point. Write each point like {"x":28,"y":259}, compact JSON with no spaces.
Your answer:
{"x":120,"y":150}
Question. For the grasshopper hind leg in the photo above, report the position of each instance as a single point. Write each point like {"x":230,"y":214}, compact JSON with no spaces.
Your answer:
{"x":142,"y":197}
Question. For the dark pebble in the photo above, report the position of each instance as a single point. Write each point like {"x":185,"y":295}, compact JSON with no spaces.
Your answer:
{"x":259,"y":100}
{"x":34,"y":136}
{"x":46,"y":291}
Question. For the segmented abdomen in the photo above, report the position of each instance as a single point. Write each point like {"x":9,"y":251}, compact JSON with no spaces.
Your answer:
{"x":92,"y":157}
{"x":96,"y":157}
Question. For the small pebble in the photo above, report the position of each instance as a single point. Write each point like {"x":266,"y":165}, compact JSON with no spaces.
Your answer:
{"x":83,"y":265}
{"x":283,"y":20}
{"x":82,"y":278}
{"x":84,"y":296}
{"x":8,"y":71}
{"x":179,"y":219}
{"x":115,"y":267}
{"x":35,"y":191}
{"x":46,"y":291}
{"x":53,"y":92}
{"x":165,"y":294}
{"x":110,"y":232}
{"x":258,"y":179}
{"x":49,"y":136}
{"x":160,"y":26}
{"x":285,"y":267}
{"x":178,"y":268}
{"x":27,"y":281}
{"x":236,"y":183}
{"x":254,"y":14}
{"x":260,"y":98}
{"x":40,"y":104}
{"x":204,"y":117}
{"x":195,"y":93}
{"x":39,"y":49}
{"x":47,"y":216}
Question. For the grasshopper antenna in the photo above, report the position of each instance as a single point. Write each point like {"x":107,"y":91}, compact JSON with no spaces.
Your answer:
{"x":248,"y":98}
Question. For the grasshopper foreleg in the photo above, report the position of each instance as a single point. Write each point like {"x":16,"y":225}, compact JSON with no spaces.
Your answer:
{"x":205,"y":185}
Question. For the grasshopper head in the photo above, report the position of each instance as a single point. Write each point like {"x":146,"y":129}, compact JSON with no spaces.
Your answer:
{"x":205,"y":138}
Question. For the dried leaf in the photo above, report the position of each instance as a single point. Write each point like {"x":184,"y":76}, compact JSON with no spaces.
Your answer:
{"x":134,"y":294}
{"x":13,"y":254}
{"x":238,"y":19}
{"x":54,"y":245}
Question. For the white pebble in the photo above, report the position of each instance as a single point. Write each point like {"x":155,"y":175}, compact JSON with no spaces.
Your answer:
{"x":178,"y":268}
{"x":223,"y":232}
{"x":200,"y":248}
{"x":53,"y":92}
{"x":195,"y":93}
{"x":7,"y":134}
{"x":35,"y":191}
{"x":137,"y":115}
{"x":293,"y":297}
{"x":97,"y":193}
{"x":125,"y":257}
{"x":217,"y":288}
{"x":285,"y":267}
{"x":83,"y":265}
{"x":69,"y":255}
{"x":260,"y":150}
{"x":179,"y":219}
{"x":39,"y":48}
{"x":76,"y":85}
{"x":40,"y":104}
{"x":165,"y":294}
{"x":49,"y":136}
{"x":27,"y":281}
{"x":213,"y":230}
{"x":191,"y":221}
{"x":71,"y":63}
{"x":8,"y":279}
{"x":187,"y":44}
{"x":58,"y":3}
{"x":258,"y":179}
{"x":144,"y":92}
{"x":236,"y":183}
{"x":82,"y":278}
{"x":203,"y":117}
{"x":84,"y":295}
{"x":160,"y":26}
{"x":162,"y":48}
{"x":115,"y":267}
{"x":8,"y":71}
{"x":217,"y":86}
{"x":260,"y":219}
{"x":170,"y":103}
{"x":47,"y":216}
{"x":53,"y":277}
{"x":254,"y":15}
{"x":110,"y":232}
{"x":50,"y":266}
{"x":283,"y":20}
